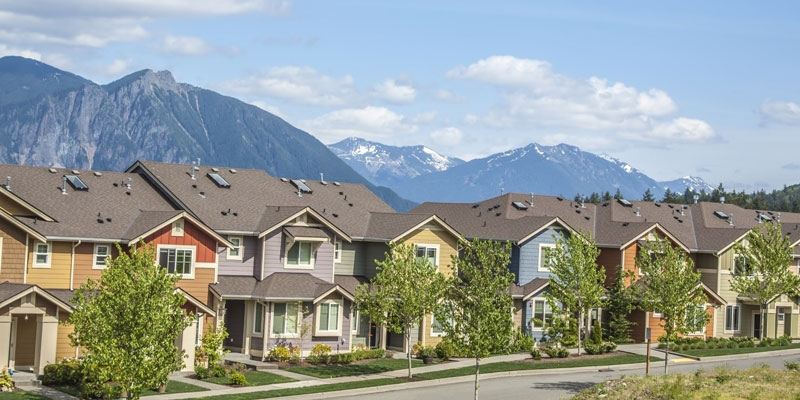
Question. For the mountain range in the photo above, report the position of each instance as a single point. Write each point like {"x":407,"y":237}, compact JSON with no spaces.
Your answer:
{"x":557,"y":170}
{"x":51,"y":117}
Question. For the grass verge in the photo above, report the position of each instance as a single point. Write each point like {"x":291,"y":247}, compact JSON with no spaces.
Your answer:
{"x":367,"y":368}
{"x":334,"y":387}
{"x":535,"y":365}
{"x":721,"y":383}
{"x":22,"y":396}
{"x":741,"y":350}
{"x":254,"y":378}
{"x":172,"y":387}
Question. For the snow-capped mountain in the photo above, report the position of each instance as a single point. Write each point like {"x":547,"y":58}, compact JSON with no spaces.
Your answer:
{"x":386,"y":165}
{"x":556,"y":170}
{"x":694,"y":183}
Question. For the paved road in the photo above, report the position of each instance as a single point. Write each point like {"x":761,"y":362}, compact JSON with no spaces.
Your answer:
{"x":555,"y":386}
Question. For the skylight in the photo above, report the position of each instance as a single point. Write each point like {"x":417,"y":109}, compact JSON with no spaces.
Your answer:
{"x":721,"y":214}
{"x":219,"y":180}
{"x":765,"y":217}
{"x":519,"y":205}
{"x":76,"y":182}
{"x":625,"y":203}
{"x":301,"y":185}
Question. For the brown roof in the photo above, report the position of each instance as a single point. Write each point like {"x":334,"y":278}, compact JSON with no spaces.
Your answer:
{"x":388,"y":226}
{"x":9,"y":289}
{"x":146,"y":221}
{"x":349,"y":282}
{"x":305,"y":231}
{"x":280,"y":285}
{"x":106,"y":211}
{"x":529,"y":288}
{"x":251,"y":201}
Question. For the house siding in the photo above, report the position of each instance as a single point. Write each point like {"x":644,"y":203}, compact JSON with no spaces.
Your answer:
{"x":64,"y":348}
{"x":206,"y":246}
{"x":12,"y":253}
{"x":275,"y":250}
{"x":338,"y":343}
{"x":352,"y":260}
{"x":249,"y":265}
{"x":84,"y":263}
{"x":12,"y":207}
{"x":373,"y":252}
{"x":58,"y":275}
{"x":529,"y":255}
{"x":609,"y":259}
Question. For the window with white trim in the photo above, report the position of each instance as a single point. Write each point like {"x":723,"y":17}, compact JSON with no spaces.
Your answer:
{"x":740,"y":266}
{"x":545,"y":250}
{"x":41,"y":254}
{"x":354,"y":321}
{"x":235,"y":252}
{"x":284,"y":318}
{"x":429,"y":253}
{"x":436,"y":327}
{"x":176,"y":261}
{"x":337,"y":250}
{"x":177,"y":228}
{"x":732,"y":318}
{"x":258,"y":318}
{"x":541,"y":314}
{"x":696,"y":315}
{"x":780,"y":314}
{"x":101,"y":252}
{"x":328,"y":317}
{"x":300,"y":254}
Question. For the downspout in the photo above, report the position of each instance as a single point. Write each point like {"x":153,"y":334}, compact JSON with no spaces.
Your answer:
{"x":72,"y":264}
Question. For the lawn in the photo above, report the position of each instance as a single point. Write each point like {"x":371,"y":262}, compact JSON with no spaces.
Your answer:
{"x":366,"y":368}
{"x":172,"y":387}
{"x":588,"y":361}
{"x":254,"y":378}
{"x":21,"y":396}
{"x":722,"y":383}
{"x":741,"y":350}
{"x":334,"y":387}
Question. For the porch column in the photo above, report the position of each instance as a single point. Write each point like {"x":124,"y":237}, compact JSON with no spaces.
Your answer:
{"x":188,"y":340}
{"x":47,"y":343}
{"x":5,"y":340}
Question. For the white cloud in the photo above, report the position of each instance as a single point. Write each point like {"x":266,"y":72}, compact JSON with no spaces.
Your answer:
{"x":11,"y":51}
{"x":449,"y":136}
{"x":425,"y":117}
{"x":784,"y":112}
{"x":534,"y":95}
{"x":117,"y":67}
{"x":369,"y":122}
{"x":185,"y":45}
{"x":448,"y":96}
{"x":296,"y":84}
{"x":269,"y":108}
{"x":394,"y":92}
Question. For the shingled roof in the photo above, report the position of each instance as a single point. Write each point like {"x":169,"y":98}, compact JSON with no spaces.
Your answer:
{"x":277,"y":286}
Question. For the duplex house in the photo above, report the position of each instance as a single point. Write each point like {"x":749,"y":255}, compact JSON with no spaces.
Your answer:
{"x":59,"y":226}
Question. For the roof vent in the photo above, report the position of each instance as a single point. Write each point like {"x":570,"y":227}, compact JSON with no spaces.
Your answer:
{"x":560,"y":198}
{"x":625,"y":203}
{"x":730,"y":220}
{"x":337,"y":183}
{"x":97,"y":173}
{"x":64,"y":185}
{"x":219,"y":180}
{"x":637,"y":212}
{"x":605,"y":204}
{"x":498,"y":214}
{"x":583,"y":202}
{"x":476,"y":205}
{"x":52,"y":170}
{"x":8,"y":183}
{"x":335,"y":215}
{"x":322,"y":178}
{"x":518,"y":205}
{"x":75,"y":172}
{"x":215,"y":169}
{"x":657,"y":204}
{"x":233,"y":170}
{"x":778,"y":217}
{"x":720,"y":214}
{"x":191,"y":171}
{"x":301,"y":186}
{"x":722,"y":200}
{"x":682,"y":210}
{"x":531,"y":201}
{"x":501,"y":191}
{"x":128,"y":185}
{"x":696,"y":197}
{"x":284,"y":180}
{"x":586,"y":217}
{"x":626,"y":223}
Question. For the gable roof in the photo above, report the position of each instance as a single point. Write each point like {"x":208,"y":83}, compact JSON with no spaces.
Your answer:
{"x":274,"y":219}
{"x":10,"y":292}
{"x":393,"y":226}
{"x":150,"y":222}
{"x":279,"y":286}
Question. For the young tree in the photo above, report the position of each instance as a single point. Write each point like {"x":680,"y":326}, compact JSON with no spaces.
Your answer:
{"x":617,"y":195}
{"x":619,"y":304}
{"x":762,"y":267}
{"x":576,"y":282}
{"x":648,"y":195}
{"x":606,"y":196}
{"x":128,"y":322}
{"x":670,"y":287}
{"x":404,"y":291}
{"x":476,"y":312}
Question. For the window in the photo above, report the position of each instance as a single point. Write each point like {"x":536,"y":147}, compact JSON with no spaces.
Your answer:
{"x":258,"y":319}
{"x":781,"y":315}
{"x":299,"y":254}
{"x":696,"y":316}
{"x":740,"y":266}
{"x":177,"y":228}
{"x":41,"y":256}
{"x":337,"y":250}
{"x":541,"y":314}
{"x":284,"y":318}
{"x":235,"y":252}
{"x":328,"y":317}
{"x":436,"y":327}
{"x":354,"y":322}
{"x":544,"y":255}
{"x":428,"y":252}
{"x":176,"y":261}
{"x":732,"y":317}
{"x":101,"y":252}
{"x":76,"y":182}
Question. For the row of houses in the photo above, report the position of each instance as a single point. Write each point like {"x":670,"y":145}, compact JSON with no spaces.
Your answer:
{"x":273,"y":258}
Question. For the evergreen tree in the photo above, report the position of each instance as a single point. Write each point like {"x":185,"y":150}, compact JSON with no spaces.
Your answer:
{"x":648,"y":195}
{"x":617,"y":195}
{"x":594,"y":198}
{"x":667,"y":196}
{"x":606,"y":196}
{"x":619,"y":304}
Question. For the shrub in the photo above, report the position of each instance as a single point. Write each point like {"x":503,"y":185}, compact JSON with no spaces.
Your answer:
{"x":389,"y":354}
{"x":792,"y":365}
{"x":280,"y":354}
{"x":592,"y":348}
{"x":597,"y":333}
{"x":733,"y":345}
{"x":415,"y":349}
{"x":6,"y":384}
{"x":237,"y":379}
{"x":427,"y":351}
{"x":445,"y":350}
{"x":341,"y":358}
{"x":217,"y":371}
{"x":201,"y":372}
{"x":319,"y":354}
{"x":92,"y":387}
{"x":364,"y":354}
{"x":521,"y":342}
{"x":783,"y":341}
{"x":609,"y":346}
{"x":210,"y":351}
{"x":536,"y":353}
{"x":557,"y":352}
{"x":66,"y":372}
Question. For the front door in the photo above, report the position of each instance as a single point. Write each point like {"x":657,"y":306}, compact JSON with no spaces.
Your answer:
{"x":756,"y":325}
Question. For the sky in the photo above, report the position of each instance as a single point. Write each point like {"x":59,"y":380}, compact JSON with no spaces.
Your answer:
{"x":708,"y":89}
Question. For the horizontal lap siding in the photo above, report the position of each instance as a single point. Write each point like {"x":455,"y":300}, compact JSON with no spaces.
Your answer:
{"x":447,"y":246}
{"x":351,"y":259}
{"x":373,"y":253}
{"x":630,"y":260}
{"x":529,"y":255}
{"x":609,"y":259}
{"x":64,"y":348}
{"x":58,"y":275}
{"x":12,"y":254}
{"x":275,"y":250}
{"x":84,"y":263}
{"x":337,"y":343}
{"x":247,"y":265}
{"x":12,"y":207}
{"x":198,"y":287}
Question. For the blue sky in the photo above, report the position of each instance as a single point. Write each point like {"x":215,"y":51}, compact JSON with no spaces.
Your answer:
{"x":694,"y":88}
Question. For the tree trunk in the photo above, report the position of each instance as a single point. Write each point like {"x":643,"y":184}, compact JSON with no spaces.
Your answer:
{"x":162,"y":388}
{"x":666,"y":355}
{"x":580,"y":330}
{"x":477,"y":374}
{"x":408,"y":354}
{"x":764,"y":321}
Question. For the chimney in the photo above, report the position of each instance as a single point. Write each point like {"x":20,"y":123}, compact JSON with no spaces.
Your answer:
{"x":63,"y":185}
{"x":8,"y":183}
{"x":730,"y":219}
{"x":696,"y":197}
{"x":128,"y":185}
{"x":722,"y":200}
{"x":637,"y":212}
{"x":192,"y":171}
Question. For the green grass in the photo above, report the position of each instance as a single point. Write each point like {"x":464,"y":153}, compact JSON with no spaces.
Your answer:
{"x":367,"y":368}
{"x":334,"y":387}
{"x":741,"y":350}
{"x":254,"y":378}
{"x":522,"y":366}
{"x":172,"y":387}
{"x":21,"y":396}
